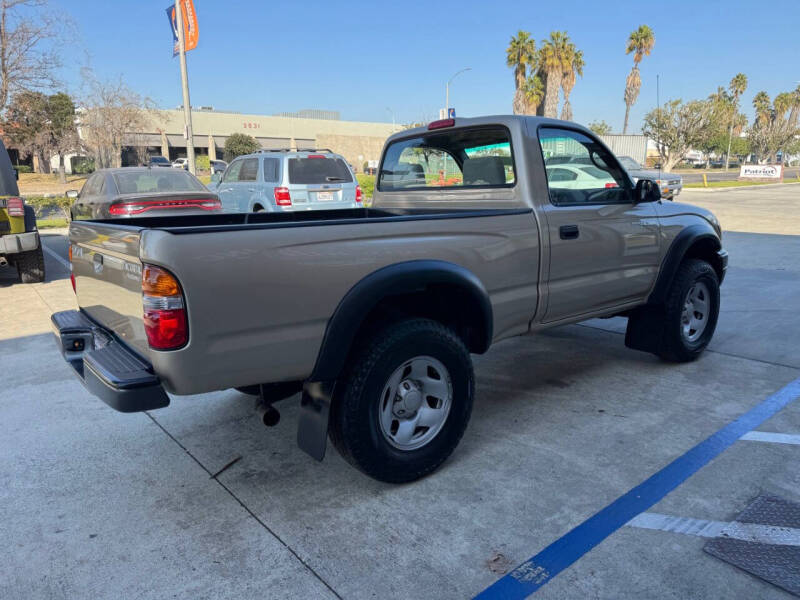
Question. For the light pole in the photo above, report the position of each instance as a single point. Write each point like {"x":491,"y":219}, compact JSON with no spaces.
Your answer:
{"x":447,"y":89}
{"x":187,"y":105}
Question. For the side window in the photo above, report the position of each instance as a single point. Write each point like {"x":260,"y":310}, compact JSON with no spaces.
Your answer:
{"x":232,"y":174}
{"x":249,"y":170}
{"x":586,"y":173}
{"x":457,"y":158}
{"x":271,"y":169}
{"x":86,"y":190}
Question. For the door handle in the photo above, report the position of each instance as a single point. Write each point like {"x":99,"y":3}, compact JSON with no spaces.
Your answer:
{"x":569,"y":232}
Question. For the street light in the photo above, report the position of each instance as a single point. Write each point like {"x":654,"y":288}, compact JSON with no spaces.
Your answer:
{"x":447,"y":89}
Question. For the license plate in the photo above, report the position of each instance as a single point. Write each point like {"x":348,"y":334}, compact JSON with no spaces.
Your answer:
{"x":324,"y":196}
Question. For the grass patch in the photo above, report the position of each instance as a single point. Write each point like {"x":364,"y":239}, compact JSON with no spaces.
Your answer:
{"x":367,"y":183}
{"x":732,"y":183}
{"x":49,"y":223}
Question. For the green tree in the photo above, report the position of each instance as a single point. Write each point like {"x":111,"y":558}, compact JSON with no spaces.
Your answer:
{"x":774,"y":127}
{"x":238,"y":144}
{"x":736,"y":88}
{"x":568,"y":77}
{"x":600,"y":127}
{"x":554,"y":59}
{"x":677,"y":127}
{"x":641,"y":43}
{"x":534,"y":94}
{"x":62,"y":132}
{"x":521,"y":56}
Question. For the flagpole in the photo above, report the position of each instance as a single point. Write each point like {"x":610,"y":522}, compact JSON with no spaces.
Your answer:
{"x":187,"y":107}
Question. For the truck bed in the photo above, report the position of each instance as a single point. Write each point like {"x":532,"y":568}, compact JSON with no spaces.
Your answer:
{"x":260,"y":288}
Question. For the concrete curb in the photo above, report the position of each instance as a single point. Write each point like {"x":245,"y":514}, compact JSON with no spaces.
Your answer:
{"x":739,"y":188}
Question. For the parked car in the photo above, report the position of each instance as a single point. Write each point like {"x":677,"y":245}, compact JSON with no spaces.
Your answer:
{"x":373,"y":313}
{"x":134,"y":191}
{"x":181,"y":163}
{"x":217,"y":166}
{"x":20,"y":245}
{"x":286,"y":181}
{"x":578,"y":177}
{"x":669,"y":184}
{"x":158,"y":161}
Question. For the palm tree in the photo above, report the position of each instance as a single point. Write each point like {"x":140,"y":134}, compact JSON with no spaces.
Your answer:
{"x":794,"y":115}
{"x":641,"y":43}
{"x":534,"y":94}
{"x":576,"y":64}
{"x":553,"y":61}
{"x":521,"y":55}
{"x":761,"y":103}
{"x":736,"y":88}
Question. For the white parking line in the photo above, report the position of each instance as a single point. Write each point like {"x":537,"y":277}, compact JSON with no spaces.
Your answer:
{"x":749,"y":532}
{"x":776,"y":438}
{"x":55,"y":255}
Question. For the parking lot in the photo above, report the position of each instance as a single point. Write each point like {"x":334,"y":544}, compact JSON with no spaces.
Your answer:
{"x":98,"y":504}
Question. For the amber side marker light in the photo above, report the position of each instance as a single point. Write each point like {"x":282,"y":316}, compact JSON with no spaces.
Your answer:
{"x":165,"y":321}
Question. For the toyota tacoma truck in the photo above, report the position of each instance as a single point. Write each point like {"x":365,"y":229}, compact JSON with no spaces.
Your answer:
{"x":371,"y":314}
{"x":20,"y":244}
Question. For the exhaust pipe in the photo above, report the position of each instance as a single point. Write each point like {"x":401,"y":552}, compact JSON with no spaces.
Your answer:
{"x":268,"y":414}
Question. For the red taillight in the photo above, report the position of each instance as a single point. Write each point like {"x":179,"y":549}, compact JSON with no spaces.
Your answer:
{"x":140,"y":206}
{"x":442,"y":123}
{"x":71,"y":274}
{"x":165,"y":321}
{"x":282,"y":196}
{"x":16,"y":207}
{"x":611,"y":184}
{"x":316,"y":156}
{"x":359,"y":195}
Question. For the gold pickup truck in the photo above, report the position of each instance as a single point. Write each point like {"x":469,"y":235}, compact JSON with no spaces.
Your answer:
{"x":373,"y":313}
{"x":19,"y":238}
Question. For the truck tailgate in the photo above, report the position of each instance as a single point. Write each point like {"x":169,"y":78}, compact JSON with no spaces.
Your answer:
{"x":108,"y":273}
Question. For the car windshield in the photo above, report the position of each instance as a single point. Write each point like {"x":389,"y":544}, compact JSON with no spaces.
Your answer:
{"x":629,"y":163}
{"x":149,"y":182}
{"x":318,"y":169}
{"x":158,"y":159}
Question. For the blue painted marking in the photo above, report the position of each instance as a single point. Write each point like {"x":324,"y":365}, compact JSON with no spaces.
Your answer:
{"x":537,"y":571}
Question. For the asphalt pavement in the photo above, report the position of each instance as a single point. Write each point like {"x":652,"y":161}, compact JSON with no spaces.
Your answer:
{"x":98,"y":504}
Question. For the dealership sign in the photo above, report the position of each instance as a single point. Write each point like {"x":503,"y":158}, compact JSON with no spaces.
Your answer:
{"x":761,"y":171}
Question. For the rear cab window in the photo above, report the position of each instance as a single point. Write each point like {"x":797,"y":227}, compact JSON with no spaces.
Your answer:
{"x":478,"y":157}
{"x":318,"y":169}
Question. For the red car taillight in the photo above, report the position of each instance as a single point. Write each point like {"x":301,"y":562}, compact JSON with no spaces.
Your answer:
{"x":71,"y":273}
{"x":16,"y":207}
{"x":610,"y":185}
{"x":140,"y":206}
{"x":282,"y":196}
{"x":359,"y":194}
{"x":165,"y":321}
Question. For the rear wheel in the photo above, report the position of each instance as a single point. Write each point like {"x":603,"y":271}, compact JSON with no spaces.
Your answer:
{"x":402,"y":408}
{"x":30,"y":265}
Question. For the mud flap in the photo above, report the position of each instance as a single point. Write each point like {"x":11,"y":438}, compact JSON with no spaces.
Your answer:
{"x":645,"y":329}
{"x":312,"y":427}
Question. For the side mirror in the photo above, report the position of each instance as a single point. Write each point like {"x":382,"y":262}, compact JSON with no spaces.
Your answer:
{"x":646,"y":190}
{"x":72,"y":194}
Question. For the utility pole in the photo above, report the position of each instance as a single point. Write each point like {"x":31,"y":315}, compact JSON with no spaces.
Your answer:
{"x":187,"y":106}
{"x":447,"y":90}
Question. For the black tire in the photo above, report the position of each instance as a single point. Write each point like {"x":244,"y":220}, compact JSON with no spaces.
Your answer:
{"x":354,"y":426}
{"x":675,"y":347}
{"x":30,"y":266}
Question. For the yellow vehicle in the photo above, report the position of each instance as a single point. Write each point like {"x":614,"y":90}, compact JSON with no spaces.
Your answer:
{"x":19,"y":238}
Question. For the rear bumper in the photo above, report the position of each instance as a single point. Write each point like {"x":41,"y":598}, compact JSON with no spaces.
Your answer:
{"x":107,"y":368}
{"x":19,"y":242}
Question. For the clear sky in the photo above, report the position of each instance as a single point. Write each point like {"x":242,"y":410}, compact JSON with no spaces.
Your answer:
{"x":363,"y":58}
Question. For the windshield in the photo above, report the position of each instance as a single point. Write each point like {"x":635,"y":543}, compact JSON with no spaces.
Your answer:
{"x":158,"y":159}
{"x":161,"y":180}
{"x":629,"y":163}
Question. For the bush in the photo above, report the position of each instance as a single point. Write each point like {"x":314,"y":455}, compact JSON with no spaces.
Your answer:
{"x":238,"y":144}
{"x":23,"y":169}
{"x":45,"y":205}
{"x":367,"y":183}
{"x":82,"y":165}
{"x":202,"y":163}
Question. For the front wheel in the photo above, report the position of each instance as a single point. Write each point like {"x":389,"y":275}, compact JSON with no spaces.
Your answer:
{"x":692,"y":309}
{"x":403,"y":406}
